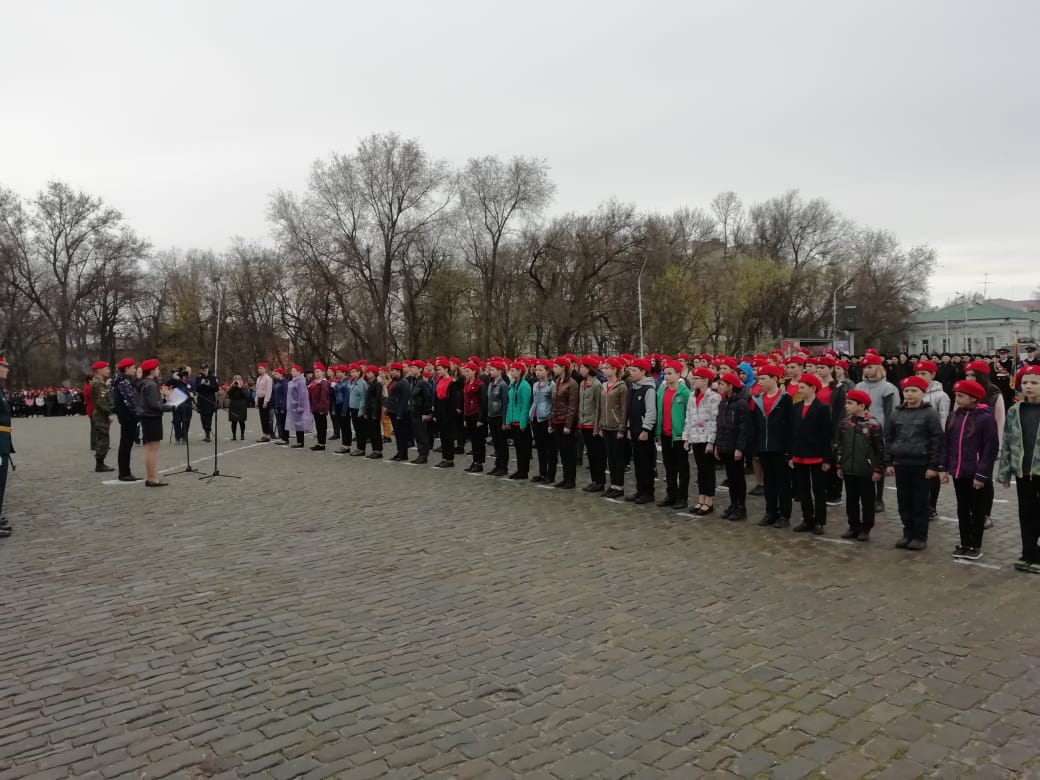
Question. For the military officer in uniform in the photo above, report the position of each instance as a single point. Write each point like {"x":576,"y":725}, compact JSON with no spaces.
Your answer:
{"x":101,"y":398}
{"x":6,"y":447}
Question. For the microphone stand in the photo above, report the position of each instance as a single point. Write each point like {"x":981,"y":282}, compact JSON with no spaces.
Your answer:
{"x":208,"y":478}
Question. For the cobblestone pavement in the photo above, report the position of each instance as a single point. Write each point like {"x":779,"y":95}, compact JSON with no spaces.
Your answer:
{"x":339,"y":617}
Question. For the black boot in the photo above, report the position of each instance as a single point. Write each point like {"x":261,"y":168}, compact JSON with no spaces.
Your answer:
{"x":100,"y":465}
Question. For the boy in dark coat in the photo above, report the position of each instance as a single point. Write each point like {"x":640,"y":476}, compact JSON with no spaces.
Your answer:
{"x":811,"y":454}
{"x":859,"y":452}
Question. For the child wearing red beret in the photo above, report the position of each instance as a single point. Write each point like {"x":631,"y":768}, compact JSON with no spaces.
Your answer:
{"x":859,"y":451}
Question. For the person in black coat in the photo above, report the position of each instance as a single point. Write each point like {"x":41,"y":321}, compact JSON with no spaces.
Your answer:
{"x":238,"y":407}
{"x":734,"y":437}
{"x":397,"y":410}
{"x":772,"y":412}
{"x":420,"y":408}
{"x":812,"y":453}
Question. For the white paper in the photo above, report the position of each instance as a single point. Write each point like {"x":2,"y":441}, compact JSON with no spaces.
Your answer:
{"x":176,"y":397}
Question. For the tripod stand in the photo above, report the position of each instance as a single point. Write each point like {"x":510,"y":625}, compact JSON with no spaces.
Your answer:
{"x":216,"y":470}
{"x":188,"y":468}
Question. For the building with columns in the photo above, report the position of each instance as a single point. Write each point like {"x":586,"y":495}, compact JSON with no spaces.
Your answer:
{"x":975,"y":326}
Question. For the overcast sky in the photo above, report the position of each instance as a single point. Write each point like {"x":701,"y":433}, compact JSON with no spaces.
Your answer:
{"x":917,"y":116}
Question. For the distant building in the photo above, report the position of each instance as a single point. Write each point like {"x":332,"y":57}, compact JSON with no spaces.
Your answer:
{"x":977,"y":327}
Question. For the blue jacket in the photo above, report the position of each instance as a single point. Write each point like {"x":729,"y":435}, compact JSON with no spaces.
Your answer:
{"x":279,"y":393}
{"x":124,"y":399}
{"x":541,"y":402}
{"x":356,"y":397}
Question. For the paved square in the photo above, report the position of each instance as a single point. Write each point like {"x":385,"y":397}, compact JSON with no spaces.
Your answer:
{"x":339,"y":617}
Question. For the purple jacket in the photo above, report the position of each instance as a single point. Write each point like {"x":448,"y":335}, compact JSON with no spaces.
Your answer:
{"x":298,"y":417}
{"x":971,"y":444}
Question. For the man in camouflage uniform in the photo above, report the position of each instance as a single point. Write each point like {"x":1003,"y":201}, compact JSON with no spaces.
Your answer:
{"x":101,"y":398}
{"x":6,"y":447}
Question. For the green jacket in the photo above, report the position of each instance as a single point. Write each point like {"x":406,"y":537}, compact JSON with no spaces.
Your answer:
{"x":679,"y":401}
{"x":1012,"y":451}
{"x":6,"y":446}
{"x":519,"y":403}
{"x":101,"y":398}
{"x":859,"y":448}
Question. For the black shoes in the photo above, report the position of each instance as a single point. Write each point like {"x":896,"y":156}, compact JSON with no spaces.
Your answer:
{"x":594,"y":487}
{"x":474,"y":468}
{"x":803,"y":528}
{"x":757,"y":490}
{"x":498,"y":473}
{"x":782,"y":522}
{"x":666,"y":501}
{"x":644,"y":498}
{"x":864,"y":536}
{"x":129,"y":478}
{"x":727,"y":512}
{"x":680,"y":505}
{"x":149,"y":483}
{"x":538,"y":479}
{"x":917,"y":545}
{"x":421,"y":460}
{"x":296,"y":446}
{"x":233,"y":437}
{"x":614,"y":493}
{"x":100,"y":466}
{"x":879,"y":506}
{"x":373,"y":456}
{"x":357,"y":454}
{"x":903,"y":543}
{"x":318,"y":448}
{"x":738,"y":513}
{"x":445,"y":464}
{"x":767,"y":520}
{"x":342,"y":451}
{"x":703,"y":510}
{"x":567,"y":485}
{"x":852,"y":533}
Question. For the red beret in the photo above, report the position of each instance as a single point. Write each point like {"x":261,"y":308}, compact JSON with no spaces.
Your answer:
{"x":914,"y":381}
{"x":705,"y":373}
{"x":812,"y":380}
{"x":871,"y":360}
{"x":926,"y":365}
{"x":871,"y":351}
{"x":860,"y":397}
{"x":562,"y":361}
{"x":682,"y":356}
{"x":125,"y":363}
{"x":497,"y":363}
{"x":471,"y":366}
{"x":616,"y":362}
{"x":278,"y":370}
{"x":518,"y":366}
{"x":675,"y":365}
{"x":979,"y":366}
{"x":728,"y":361}
{"x":968,"y":387}
{"x":703,"y":356}
{"x":319,"y":366}
{"x":591,"y":361}
{"x":826,"y":360}
{"x":397,"y":366}
{"x":798,"y":359}
{"x":149,"y":364}
{"x":572,"y":358}
{"x":261,"y":365}
{"x":98,"y":365}
{"x":442,"y":362}
{"x":372,"y":369}
{"x":843,"y":363}
{"x":298,"y":368}
{"x":642,"y":364}
{"x":731,"y":379}
{"x":1030,"y":370}
{"x":774,"y":371}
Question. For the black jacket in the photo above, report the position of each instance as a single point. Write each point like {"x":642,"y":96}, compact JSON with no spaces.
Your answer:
{"x":773,"y":432}
{"x":914,"y":437}
{"x":238,"y":403}
{"x":735,"y":428}
{"x":373,"y":407}
{"x":420,"y":400}
{"x":397,"y":400}
{"x":812,"y":436}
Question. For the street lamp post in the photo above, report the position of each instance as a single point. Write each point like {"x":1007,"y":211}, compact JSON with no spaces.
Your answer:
{"x":639,"y":295}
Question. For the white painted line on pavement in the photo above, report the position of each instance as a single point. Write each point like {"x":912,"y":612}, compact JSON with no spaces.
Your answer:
{"x":834,"y":541}
{"x":976,"y":563}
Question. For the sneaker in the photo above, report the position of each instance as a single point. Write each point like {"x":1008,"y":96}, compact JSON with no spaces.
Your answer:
{"x":340,"y":451}
{"x":645,"y":498}
{"x":680,"y":506}
{"x":933,"y":515}
{"x":879,"y":506}
{"x":1034,"y":568}
{"x":728,"y":511}
{"x":959,"y":551}
{"x":903,"y":543}
{"x":988,"y":523}
{"x":445,"y":464}
{"x":595,"y":487}
{"x":614,"y":493}
{"x":374,"y":456}
{"x":834,"y":501}
{"x":740,"y":513}
{"x":357,"y":454}
{"x":782,"y":522}
{"x":850,"y":534}
{"x":802,"y":528}
{"x":538,"y":479}
{"x":864,"y":536}
{"x":972,"y":554}
{"x":1022,"y":565}
{"x":917,"y":544}
{"x":666,"y":501}
{"x":767,"y":520}
{"x":757,"y":490}
{"x":420,"y":461}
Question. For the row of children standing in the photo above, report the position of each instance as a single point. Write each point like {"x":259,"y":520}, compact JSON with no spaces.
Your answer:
{"x":809,"y":430}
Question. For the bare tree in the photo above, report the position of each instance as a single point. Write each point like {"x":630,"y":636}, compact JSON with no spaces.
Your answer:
{"x":62,"y":245}
{"x":497,"y":199}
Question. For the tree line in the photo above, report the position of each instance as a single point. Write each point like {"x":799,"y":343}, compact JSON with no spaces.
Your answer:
{"x":390,"y":252}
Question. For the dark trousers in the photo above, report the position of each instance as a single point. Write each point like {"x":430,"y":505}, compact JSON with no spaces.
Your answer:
{"x":1028,"y":489}
{"x":522,"y":441}
{"x":912,"y":498}
{"x":207,"y":408}
{"x":360,"y":429}
{"x":334,"y":419}
{"x":859,"y":502}
{"x":4,"y":461}
{"x":933,"y":493}
{"x":181,"y":421}
{"x":737,"y":480}
{"x":299,"y":437}
{"x":93,"y":433}
{"x":499,"y":443}
{"x":127,"y":437}
{"x":403,"y":435}
{"x":421,"y":434}
{"x":566,"y":445}
{"x":546,"y":453}
{"x":321,"y":426}
{"x":705,"y":470}
{"x":446,"y":429}
{"x":811,"y":487}
{"x":644,"y":458}
{"x":477,"y":435}
{"x":676,"y":468}
{"x":280,"y":417}
{"x":987,"y":499}
{"x":971,"y":516}
{"x":264,"y":410}
{"x":615,"y":448}
{"x":879,"y":489}
{"x":238,"y":424}
{"x":597,"y":455}
{"x":346,"y":432}
{"x":375,"y":433}
{"x":776,"y":482}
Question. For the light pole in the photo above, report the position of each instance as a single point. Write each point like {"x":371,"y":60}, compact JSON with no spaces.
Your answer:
{"x":834,"y":307}
{"x":639,"y":295}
